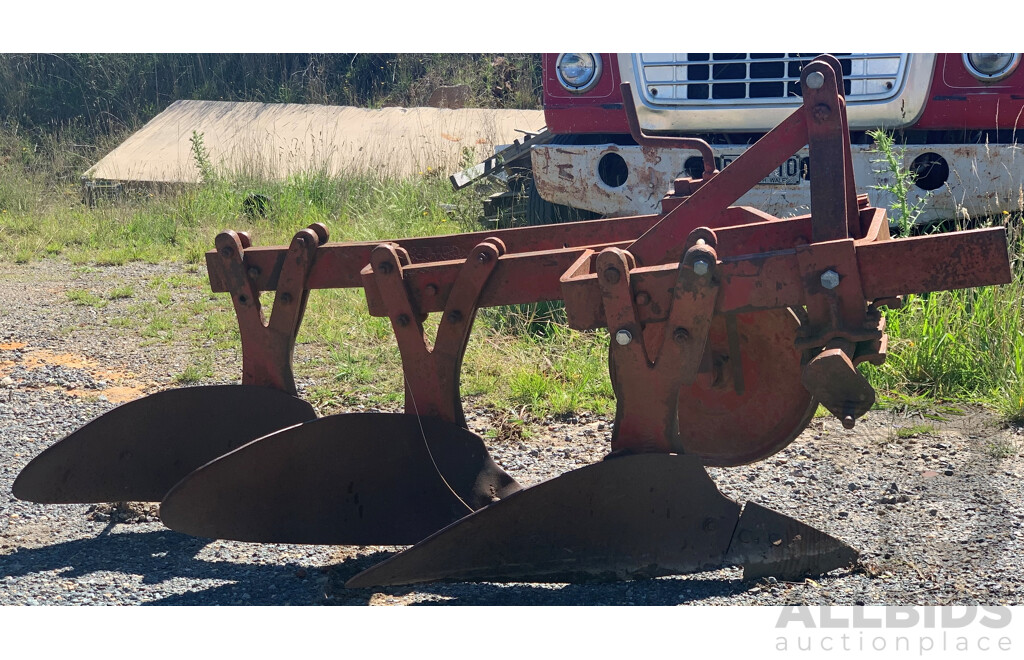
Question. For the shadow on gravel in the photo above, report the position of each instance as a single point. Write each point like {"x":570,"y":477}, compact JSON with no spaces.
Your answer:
{"x":665,"y":591}
{"x":163,"y":556}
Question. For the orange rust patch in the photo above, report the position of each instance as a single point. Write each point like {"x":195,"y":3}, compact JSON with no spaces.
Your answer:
{"x":37,"y":358}
{"x":118,"y":394}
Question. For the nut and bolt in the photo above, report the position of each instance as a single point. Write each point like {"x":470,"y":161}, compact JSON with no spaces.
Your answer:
{"x":227,"y":251}
{"x":386,"y":267}
{"x":483,"y":257}
{"x":612,"y":275}
{"x":455,"y":316}
{"x":700,"y":267}
{"x":821,"y":112}
{"x":286,"y":297}
{"x":642,"y":298}
{"x":623,"y":337}
{"x":431,"y":289}
{"x":815,"y":79}
{"x":680,"y":335}
{"x":253,"y":272}
{"x":402,"y":320}
{"x":830,"y":279}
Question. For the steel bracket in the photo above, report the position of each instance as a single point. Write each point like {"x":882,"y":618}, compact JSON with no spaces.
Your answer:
{"x":432,"y":372}
{"x":267,"y":347}
{"x":649,"y":364}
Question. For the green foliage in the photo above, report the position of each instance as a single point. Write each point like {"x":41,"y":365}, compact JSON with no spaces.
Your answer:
{"x":86,"y":298}
{"x":112,"y":92}
{"x":900,"y":182}
{"x":201,"y":157}
{"x":966,"y":344}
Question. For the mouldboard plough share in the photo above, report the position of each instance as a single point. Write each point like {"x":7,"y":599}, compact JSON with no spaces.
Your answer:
{"x":727,"y":328}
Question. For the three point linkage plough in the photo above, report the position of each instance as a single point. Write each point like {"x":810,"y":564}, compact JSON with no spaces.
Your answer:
{"x":728,"y":327}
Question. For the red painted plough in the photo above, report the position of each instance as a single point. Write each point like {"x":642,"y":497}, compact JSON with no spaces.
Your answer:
{"x":727,"y":327}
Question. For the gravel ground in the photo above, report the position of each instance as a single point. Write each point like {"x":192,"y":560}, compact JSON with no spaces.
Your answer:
{"x":932,"y":500}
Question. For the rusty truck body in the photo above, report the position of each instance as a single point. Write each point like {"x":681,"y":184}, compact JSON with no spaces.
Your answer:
{"x":954,"y":117}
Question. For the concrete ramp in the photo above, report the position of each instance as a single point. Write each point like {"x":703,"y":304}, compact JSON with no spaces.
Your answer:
{"x":275,"y":140}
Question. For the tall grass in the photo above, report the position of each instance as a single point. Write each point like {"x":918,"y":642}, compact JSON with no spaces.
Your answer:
{"x":966,"y":344}
{"x":112,"y":92}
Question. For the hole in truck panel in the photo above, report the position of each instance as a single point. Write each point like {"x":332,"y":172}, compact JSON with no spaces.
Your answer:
{"x":613,"y":170}
{"x":694,"y":167}
{"x":931,"y":171}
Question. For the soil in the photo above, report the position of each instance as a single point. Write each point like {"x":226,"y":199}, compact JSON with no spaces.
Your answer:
{"x":930,"y":498}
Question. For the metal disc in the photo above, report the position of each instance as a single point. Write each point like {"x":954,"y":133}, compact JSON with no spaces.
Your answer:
{"x":349,"y":479}
{"x":728,"y":427}
{"x":634,"y":516}
{"x":137,"y":451}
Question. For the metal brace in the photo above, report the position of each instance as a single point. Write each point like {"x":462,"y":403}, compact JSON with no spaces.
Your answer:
{"x":267,"y":348}
{"x":647,"y":388}
{"x":432,"y":374}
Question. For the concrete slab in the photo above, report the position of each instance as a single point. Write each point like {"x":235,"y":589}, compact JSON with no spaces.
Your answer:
{"x":275,"y":140}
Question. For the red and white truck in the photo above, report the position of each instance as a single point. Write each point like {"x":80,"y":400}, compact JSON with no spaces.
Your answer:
{"x":956,"y":115}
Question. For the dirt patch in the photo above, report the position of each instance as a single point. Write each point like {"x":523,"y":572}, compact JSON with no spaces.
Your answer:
{"x":71,"y":374}
{"x":124,"y":512}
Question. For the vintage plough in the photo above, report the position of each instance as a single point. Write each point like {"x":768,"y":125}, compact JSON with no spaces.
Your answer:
{"x":727,"y":328}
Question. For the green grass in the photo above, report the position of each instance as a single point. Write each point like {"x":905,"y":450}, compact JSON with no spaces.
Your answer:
{"x":946,"y":346}
{"x":963,"y":345}
{"x":86,"y":298}
{"x":915,"y":430}
{"x":195,"y":373}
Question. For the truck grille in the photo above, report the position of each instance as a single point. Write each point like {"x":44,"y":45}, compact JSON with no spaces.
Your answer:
{"x":753,"y":78}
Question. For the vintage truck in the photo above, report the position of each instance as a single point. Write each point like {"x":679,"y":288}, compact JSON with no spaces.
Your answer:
{"x":956,"y":116}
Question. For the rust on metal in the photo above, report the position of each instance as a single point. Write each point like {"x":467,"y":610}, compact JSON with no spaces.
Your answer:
{"x":750,"y":403}
{"x":726,"y":327}
{"x":624,"y":518}
{"x":355,"y":479}
{"x":432,"y":373}
{"x":137,"y":451}
{"x":767,"y":543}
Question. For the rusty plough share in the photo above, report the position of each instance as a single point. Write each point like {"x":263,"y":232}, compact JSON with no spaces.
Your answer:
{"x":728,"y":327}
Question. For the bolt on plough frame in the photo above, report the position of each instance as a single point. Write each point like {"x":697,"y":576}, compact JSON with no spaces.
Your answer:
{"x":727,"y":328}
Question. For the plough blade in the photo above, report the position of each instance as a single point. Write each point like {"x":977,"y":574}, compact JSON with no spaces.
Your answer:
{"x":638,"y":516}
{"x":769,"y":543}
{"x":137,"y":451}
{"x":359,"y":479}
{"x":630,"y":517}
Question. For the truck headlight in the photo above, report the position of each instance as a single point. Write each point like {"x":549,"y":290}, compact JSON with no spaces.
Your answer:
{"x":990,"y":67}
{"x":578,"y":72}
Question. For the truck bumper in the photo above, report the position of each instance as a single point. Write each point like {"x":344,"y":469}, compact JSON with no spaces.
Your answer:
{"x":975,"y":181}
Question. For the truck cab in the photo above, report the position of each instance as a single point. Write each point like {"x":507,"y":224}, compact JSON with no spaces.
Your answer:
{"x":954,"y":119}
